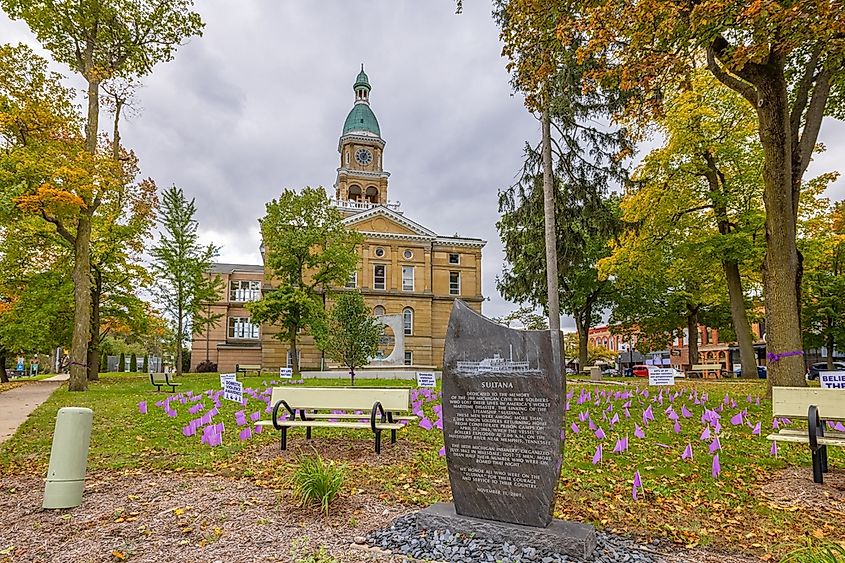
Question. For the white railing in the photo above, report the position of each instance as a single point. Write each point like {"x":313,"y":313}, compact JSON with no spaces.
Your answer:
{"x":362,"y":205}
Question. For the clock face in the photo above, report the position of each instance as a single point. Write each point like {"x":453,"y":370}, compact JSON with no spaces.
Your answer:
{"x":363,"y":156}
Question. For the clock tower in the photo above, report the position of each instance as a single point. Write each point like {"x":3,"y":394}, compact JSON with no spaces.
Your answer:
{"x":361,"y":178}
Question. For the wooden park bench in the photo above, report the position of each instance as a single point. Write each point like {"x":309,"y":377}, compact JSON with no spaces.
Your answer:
{"x":704,"y":371}
{"x":381,"y":408}
{"x":244,"y":368}
{"x":817,"y":406}
{"x":163,"y":379}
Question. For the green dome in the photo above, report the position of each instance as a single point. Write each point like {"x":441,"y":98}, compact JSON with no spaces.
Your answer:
{"x":361,"y":118}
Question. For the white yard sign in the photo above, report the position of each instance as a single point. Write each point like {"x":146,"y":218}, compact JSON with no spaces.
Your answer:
{"x":661,"y":376}
{"x":224,"y":377}
{"x":426,"y":379}
{"x":286,"y":373}
{"x":832,"y":379}
{"x":233,"y":390}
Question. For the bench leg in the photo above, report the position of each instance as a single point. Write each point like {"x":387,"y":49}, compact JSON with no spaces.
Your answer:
{"x":823,"y":451}
{"x":307,"y":432}
{"x":818,"y":476}
{"x":284,"y":438}
{"x":393,"y":436}
{"x":378,"y":442}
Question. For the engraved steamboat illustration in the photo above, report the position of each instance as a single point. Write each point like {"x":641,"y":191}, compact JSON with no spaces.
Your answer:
{"x":496,"y":364}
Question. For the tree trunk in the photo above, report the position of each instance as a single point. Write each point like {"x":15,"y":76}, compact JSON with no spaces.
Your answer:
{"x":692,"y":338}
{"x":582,"y":344}
{"x":740,"y":320}
{"x":551,"y":248}
{"x":82,"y":305}
{"x":294,"y":355}
{"x":93,"y":123}
{"x":352,"y":376}
{"x":179,"y":338}
{"x":781,"y":271}
{"x":4,"y":377}
{"x":94,"y":343}
{"x":829,"y":343}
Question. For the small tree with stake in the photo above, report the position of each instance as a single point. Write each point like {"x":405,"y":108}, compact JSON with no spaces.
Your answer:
{"x":351,"y":334}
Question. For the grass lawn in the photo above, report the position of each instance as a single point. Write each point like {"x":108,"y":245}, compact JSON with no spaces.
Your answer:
{"x":680,"y":500}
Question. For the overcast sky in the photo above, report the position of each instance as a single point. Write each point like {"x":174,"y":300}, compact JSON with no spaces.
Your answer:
{"x":257,"y":104}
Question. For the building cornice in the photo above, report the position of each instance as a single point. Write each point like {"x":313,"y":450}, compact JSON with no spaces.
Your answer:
{"x":366,"y":173}
{"x":362,"y":138}
{"x":418,"y":229}
{"x":454,"y":241}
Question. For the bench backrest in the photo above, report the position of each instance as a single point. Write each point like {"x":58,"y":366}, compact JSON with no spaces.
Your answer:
{"x":706,"y":367}
{"x":342,"y":398}
{"x":251,"y":367}
{"x":157,"y":377}
{"x":793,"y":402}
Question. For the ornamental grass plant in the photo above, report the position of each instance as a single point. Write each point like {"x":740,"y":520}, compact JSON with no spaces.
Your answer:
{"x":317,"y":481}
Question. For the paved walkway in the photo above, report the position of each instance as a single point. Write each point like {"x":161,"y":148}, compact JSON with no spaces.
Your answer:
{"x":17,"y":404}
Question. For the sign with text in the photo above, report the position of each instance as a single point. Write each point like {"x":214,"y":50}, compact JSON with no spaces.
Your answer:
{"x":286,"y":373}
{"x":224,"y":377}
{"x":426,"y":379}
{"x":832,"y":379}
{"x":233,"y":390}
{"x":661,"y":376}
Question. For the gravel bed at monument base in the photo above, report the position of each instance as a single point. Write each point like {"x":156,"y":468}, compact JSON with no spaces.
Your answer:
{"x":405,"y":537}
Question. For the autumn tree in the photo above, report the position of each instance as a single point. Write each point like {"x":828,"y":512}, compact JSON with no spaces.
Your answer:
{"x":527,"y":318}
{"x":701,"y":191}
{"x":99,"y":40}
{"x":307,"y":250}
{"x":784,"y":59}
{"x":182,"y":269}
{"x":351,"y":333}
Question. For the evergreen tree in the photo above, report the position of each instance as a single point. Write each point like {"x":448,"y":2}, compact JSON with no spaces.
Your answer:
{"x":184,"y":285}
{"x":121,"y":363}
{"x":133,"y":363}
{"x":104,"y":362}
{"x":146,"y":365}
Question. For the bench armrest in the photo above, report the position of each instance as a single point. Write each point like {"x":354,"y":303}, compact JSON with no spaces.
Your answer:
{"x":815,"y":427}
{"x":281,"y":403}
{"x":376,"y":408}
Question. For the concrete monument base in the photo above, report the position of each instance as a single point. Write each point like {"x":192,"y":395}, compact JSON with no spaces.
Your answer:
{"x":569,"y":538}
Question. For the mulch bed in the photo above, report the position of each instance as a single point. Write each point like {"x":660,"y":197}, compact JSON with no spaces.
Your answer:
{"x":178,"y":517}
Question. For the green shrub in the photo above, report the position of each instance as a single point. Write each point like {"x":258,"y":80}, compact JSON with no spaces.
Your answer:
{"x":316,"y":480}
{"x":133,"y":363}
{"x":104,"y":363}
{"x":121,"y":362}
{"x":816,"y":552}
{"x":146,"y":365}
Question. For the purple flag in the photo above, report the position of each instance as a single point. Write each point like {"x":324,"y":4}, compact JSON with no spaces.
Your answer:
{"x":638,"y":431}
{"x":687,"y":452}
{"x":839,"y":427}
{"x":258,"y":429}
{"x":625,"y":443}
{"x":592,"y":424}
{"x":705,"y":435}
{"x":575,"y":428}
{"x":245,"y":434}
{"x":618,"y":448}
{"x":756,"y":430}
{"x":627,"y":414}
{"x":774,"y":450}
{"x":582,"y":416}
{"x":439,"y":423}
{"x":673,"y":415}
{"x":614,"y":420}
{"x":600,"y":434}
{"x":647,"y":415}
{"x":685,"y":412}
{"x":638,"y":484}
{"x":715,"y":445}
{"x":188,"y":430}
{"x":142,"y":407}
{"x":442,"y":452}
{"x":736,"y":419}
{"x":426,"y":424}
{"x":255,"y":416}
{"x":597,"y":455}
{"x":717,"y":467}
{"x":677,"y":427}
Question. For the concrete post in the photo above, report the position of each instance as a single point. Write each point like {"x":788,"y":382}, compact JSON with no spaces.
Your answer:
{"x":595,"y":373}
{"x":68,"y":458}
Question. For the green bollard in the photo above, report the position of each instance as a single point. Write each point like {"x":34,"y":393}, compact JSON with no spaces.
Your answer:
{"x":68,"y":458}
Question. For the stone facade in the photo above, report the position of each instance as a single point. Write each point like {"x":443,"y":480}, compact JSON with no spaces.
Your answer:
{"x":404,"y":268}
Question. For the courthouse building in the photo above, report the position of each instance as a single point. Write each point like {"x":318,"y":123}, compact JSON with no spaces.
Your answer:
{"x":404,"y":268}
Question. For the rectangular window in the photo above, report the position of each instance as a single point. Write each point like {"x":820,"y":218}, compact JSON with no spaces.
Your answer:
{"x":352,"y":282}
{"x":241,"y":327}
{"x":290,"y":359}
{"x":409,"y":358}
{"x":407,"y":278}
{"x":454,"y":258}
{"x":242,"y":291}
{"x":454,"y":283}
{"x":379,"y":276}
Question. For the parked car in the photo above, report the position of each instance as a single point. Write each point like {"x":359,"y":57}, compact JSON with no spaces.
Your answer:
{"x":609,"y":371}
{"x":762,"y":372}
{"x":640,"y":371}
{"x":813,"y":370}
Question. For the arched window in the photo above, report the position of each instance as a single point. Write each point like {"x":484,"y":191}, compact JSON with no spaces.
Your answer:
{"x":604,"y":342}
{"x":355,"y":193}
{"x":408,"y":321}
{"x":372,"y":194}
{"x":611,"y":343}
{"x":378,"y":310}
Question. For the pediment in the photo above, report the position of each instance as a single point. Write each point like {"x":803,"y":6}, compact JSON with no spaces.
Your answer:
{"x":383,"y":220}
